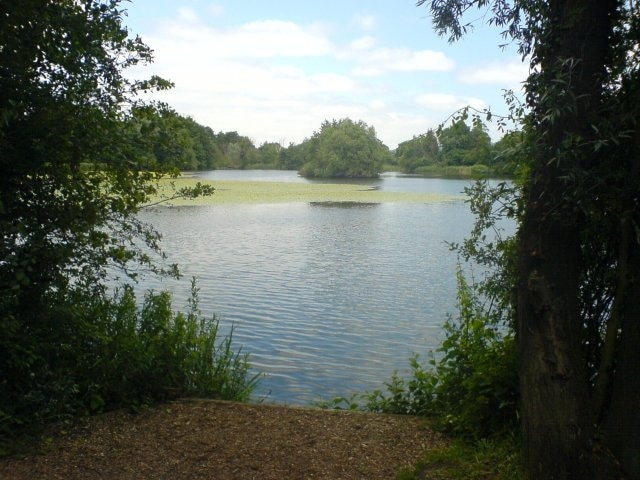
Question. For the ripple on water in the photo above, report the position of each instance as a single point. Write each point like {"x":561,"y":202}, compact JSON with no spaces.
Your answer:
{"x":327,"y":301}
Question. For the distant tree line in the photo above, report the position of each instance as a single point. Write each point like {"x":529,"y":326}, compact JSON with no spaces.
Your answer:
{"x":341,"y":148}
{"x":459,"y":145}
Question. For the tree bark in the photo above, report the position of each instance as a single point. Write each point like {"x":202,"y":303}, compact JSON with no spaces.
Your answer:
{"x":552,"y":381}
{"x":554,"y":388}
{"x":622,"y":418}
{"x":622,"y":422}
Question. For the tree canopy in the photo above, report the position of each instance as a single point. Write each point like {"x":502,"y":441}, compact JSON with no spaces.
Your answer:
{"x":456,"y":145}
{"x":344,"y":149}
{"x":420,"y":151}
{"x":76,"y":148}
{"x":63,"y":99}
{"x":462,"y":145}
{"x":165,"y":139}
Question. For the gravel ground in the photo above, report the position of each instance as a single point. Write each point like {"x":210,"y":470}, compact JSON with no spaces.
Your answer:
{"x":200,"y":439}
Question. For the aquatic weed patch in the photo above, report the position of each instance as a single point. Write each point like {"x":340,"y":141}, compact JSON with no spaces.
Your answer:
{"x":257,"y":192}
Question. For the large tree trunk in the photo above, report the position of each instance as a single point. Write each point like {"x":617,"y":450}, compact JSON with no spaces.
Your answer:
{"x":622,"y":418}
{"x":622,"y":421}
{"x":553,"y":379}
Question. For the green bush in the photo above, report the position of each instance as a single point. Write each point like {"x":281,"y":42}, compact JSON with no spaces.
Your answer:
{"x":470,"y":384}
{"x":86,"y":354}
{"x":155,"y":353}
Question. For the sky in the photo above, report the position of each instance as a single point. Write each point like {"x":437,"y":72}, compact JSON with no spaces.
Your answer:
{"x":274,"y":71}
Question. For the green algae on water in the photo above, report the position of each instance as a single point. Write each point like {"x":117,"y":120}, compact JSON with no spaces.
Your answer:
{"x":229,"y":192}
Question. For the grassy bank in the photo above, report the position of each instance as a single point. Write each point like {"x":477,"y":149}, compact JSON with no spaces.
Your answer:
{"x":496,"y":459}
{"x":472,"y":172}
{"x":243,"y":192}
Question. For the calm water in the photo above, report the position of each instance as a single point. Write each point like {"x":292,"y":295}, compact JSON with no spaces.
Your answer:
{"x":328,"y":300}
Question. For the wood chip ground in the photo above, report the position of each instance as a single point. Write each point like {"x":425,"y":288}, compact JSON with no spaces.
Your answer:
{"x":194,"y":439}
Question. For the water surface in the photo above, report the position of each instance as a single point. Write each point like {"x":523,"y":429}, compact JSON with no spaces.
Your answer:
{"x":327,"y":298}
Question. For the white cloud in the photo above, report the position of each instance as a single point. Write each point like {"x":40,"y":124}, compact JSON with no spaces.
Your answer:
{"x":365,"y":22}
{"x":362,"y":43}
{"x":384,"y":60}
{"x":448,"y":103}
{"x":187,"y":15}
{"x":216,"y":10}
{"x":279,"y":80}
{"x":510,"y":73}
{"x":275,"y":38}
{"x":187,"y":40}
{"x":331,"y":82}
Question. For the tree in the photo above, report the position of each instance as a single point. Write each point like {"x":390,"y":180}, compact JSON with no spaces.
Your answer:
{"x":293,"y":156}
{"x":507,"y":156}
{"x":74,"y":174}
{"x":578,"y":276}
{"x":62,"y":99}
{"x":270,"y":154}
{"x":172,"y":140}
{"x":481,"y":144}
{"x":418,"y":152}
{"x":345,"y":149}
{"x":207,"y":153}
{"x":461,"y":145}
{"x":238,"y":151}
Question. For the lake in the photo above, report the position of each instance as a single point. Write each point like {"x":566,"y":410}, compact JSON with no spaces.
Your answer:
{"x":328,"y":299}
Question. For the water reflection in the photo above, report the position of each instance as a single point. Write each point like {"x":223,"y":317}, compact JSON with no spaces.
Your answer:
{"x":344,"y":204}
{"x":328,"y":297}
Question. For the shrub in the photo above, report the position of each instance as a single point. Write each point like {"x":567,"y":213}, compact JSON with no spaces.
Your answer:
{"x":86,"y":354}
{"x":470,"y":384}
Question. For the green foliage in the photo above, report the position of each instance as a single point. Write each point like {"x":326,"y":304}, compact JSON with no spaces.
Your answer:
{"x":294,"y":156}
{"x":496,"y":459}
{"x":167,"y":139}
{"x":579,"y":249}
{"x":460,"y":151}
{"x":76,"y":143}
{"x":508,"y":153}
{"x":237,"y":151}
{"x":420,"y":151}
{"x":461,"y":145}
{"x":470,"y":386}
{"x":269,"y":156}
{"x":344,"y":149}
{"x":456,"y":171}
{"x":72,"y":178}
{"x":86,"y":355}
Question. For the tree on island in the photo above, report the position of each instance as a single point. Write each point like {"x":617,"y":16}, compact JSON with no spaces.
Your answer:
{"x":344,"y":149}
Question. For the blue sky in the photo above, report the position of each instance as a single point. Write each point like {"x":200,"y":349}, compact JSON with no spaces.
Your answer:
{"x":274,"y":71}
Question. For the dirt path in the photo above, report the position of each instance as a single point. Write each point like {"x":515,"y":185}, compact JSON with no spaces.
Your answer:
{"x":194,"y":439}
